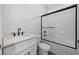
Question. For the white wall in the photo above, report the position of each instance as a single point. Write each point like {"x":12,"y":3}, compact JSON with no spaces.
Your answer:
{"x":0,"y":22}
{"x":59,"y":49}
{"x":54,"y":7}
{"x":0,"y":26}
{"x":25,"y":16}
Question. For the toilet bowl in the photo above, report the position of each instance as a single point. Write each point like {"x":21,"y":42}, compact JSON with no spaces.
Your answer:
{"x":43,"y":49}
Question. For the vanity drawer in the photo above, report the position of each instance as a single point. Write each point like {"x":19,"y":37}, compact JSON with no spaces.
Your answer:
{"x":33,"y":50}
{"x":16,"y":48}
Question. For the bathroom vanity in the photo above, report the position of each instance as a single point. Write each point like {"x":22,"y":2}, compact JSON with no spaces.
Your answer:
{"x":24,"y":45}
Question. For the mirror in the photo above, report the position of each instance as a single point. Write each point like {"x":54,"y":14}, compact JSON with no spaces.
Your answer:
{"x":61,"y":27}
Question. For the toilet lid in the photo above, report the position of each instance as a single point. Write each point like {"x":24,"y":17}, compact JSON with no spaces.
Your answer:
{"x":44,"y":46}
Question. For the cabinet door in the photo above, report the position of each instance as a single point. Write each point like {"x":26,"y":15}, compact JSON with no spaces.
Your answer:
{"x":33,"y":50}
{"x":25,"y":52}
{"x":9,"y":50}
{"x":17,"y":48}
{"x":30,"y":51}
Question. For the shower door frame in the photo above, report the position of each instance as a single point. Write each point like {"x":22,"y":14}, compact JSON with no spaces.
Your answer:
{"x":52,"y":27}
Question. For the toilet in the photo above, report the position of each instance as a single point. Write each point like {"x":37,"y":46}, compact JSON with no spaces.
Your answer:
{"x":43,"y":49}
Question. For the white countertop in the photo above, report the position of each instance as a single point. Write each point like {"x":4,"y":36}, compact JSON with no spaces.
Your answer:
{"x":15,"y":40}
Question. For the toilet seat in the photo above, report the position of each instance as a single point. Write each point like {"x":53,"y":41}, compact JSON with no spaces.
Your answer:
{"x":44,"y":46}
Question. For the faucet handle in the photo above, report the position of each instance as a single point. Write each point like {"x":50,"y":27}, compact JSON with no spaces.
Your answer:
{"x":22,"y":33}
{"x":19,"y":29}
{"x":14,"y":34}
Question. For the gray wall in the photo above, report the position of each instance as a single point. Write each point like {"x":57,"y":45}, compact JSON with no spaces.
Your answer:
{"x":59,"y":49}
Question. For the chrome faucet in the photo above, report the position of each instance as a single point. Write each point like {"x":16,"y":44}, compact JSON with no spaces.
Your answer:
{"x":18,"y":33}
{"x":19,"y":29}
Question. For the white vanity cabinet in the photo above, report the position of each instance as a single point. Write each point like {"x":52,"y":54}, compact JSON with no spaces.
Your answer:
{"x":26,"y":47}
{"x":30,"y":51}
